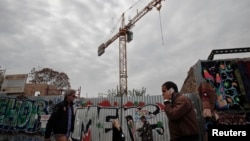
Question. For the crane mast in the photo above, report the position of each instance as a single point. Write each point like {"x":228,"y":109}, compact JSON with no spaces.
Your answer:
{"x":124,"y":32}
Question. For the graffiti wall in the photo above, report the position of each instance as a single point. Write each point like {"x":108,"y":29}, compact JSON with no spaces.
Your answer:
{"x":93,"y":116}
{"x":231,"y":81}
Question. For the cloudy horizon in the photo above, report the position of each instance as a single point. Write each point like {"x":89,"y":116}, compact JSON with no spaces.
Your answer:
{"x":65,"y":36}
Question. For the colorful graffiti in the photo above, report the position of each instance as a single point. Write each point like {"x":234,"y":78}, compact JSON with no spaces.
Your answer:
{"x":93,"y":116}
{"x":221,"y":75}
{"x":99,"y":119}
{"x":230,"y":81}
{"x":18,"y":115}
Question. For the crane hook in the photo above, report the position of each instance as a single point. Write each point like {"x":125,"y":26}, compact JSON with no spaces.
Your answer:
{"x":158,"y":6}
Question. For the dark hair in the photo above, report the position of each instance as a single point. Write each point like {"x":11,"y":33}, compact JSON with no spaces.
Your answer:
{"x":143,"y":117}
{"x":69,"y":92}
{"x":169,"y":85}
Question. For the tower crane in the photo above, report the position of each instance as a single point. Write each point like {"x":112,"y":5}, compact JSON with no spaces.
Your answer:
{"x":125,"y":35}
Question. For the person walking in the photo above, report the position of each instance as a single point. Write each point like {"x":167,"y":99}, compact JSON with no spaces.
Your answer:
{"x":117,"y":131}
{"x":61,"y":121}
{"x":183,"y":124}
{"x":146,"y":133}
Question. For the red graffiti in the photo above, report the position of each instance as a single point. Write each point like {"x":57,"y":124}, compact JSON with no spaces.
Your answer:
{"x":105,"y":103}
{"x":129,"y":104}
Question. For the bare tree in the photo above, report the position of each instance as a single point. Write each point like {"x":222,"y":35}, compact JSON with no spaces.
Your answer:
{"x":135,"y":92}
{"x":116,"y":93}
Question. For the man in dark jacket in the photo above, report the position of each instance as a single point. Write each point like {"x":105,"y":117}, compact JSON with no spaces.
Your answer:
{"x":146,"y":130}
{"x":183,"y":124}
{"x":61,"y":121}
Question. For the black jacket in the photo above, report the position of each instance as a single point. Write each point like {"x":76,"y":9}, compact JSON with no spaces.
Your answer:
{"x":118,"y":135}
{"x":146,"y":132}
{"x":58,"y":121}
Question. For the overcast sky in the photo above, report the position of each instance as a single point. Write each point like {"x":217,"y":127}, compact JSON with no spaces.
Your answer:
{"x":65,"y":34}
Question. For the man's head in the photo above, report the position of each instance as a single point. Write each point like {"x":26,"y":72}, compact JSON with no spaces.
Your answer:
{"x":168,"y":88}
{"x":143,"y":118}
{"x":70,"y":95}
{"x":169,"y":84}
{"x":116,"y":123}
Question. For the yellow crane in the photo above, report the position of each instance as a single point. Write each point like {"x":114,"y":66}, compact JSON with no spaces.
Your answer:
{"x":125,"y":35}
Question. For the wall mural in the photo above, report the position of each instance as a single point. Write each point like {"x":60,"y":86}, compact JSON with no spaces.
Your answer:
{"x":93,"y":116}
{"x":23,"y":115}
{"x":231,"y":82}
{"x":99,"y":120}
{"x":221,"y":75}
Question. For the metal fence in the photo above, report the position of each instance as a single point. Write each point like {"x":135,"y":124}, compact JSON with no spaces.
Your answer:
{"x":93,"y":116}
